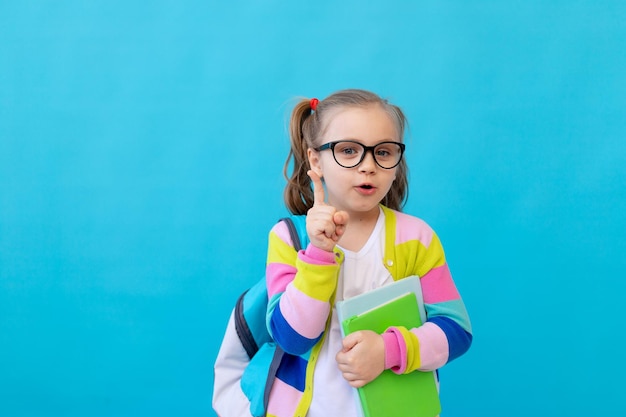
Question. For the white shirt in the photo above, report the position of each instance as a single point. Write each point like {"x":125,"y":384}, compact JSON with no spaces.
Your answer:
{"x":360,"y":272}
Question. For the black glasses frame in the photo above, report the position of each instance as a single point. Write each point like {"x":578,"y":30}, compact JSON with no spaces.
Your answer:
{"x":331,"y":146}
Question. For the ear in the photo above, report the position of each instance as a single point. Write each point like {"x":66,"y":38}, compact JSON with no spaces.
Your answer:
{"x":314,"y":161}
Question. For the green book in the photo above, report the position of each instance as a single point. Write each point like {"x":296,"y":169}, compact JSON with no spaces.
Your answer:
{"x":390,"y":395}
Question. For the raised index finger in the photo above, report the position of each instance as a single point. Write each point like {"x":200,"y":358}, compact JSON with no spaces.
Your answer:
{"x":318,"y":188}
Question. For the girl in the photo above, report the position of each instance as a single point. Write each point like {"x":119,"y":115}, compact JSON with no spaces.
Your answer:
{"x":350,"y":179}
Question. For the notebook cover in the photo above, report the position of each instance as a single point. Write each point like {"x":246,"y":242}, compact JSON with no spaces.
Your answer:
{"x":390,"y":395}
{"x":370,"y":299}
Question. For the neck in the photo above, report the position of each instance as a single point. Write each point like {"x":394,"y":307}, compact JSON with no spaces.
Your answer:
{"x":359,"y":229}
{"x":365,"y":217}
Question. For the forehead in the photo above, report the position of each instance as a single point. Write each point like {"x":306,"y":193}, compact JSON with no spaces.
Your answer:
{"x":368,"y":124}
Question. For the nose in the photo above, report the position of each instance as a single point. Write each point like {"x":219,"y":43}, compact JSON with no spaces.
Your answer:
{"x":368,"y":164}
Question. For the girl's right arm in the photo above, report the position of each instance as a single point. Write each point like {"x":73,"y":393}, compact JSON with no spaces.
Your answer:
{"x":300,"y":287}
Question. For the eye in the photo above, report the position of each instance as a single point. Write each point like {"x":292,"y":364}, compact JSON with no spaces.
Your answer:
{"x":386,"y":151}
{"x":383,"y":152}
{"x":348,"y":149}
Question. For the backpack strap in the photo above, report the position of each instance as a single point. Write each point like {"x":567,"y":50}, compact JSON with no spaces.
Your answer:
{"x":295,"y":225}
{"x":258,"y":293}
{"x":242,"y":329}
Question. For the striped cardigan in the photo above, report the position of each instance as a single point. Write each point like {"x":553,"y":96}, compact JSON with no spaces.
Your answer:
{"x":301,"y":289}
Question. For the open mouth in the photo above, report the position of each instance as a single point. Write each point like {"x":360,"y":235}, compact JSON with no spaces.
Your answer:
{"x":366,"y":186}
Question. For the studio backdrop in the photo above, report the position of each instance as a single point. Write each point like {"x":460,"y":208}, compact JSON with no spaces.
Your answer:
{"x":141,"y":155}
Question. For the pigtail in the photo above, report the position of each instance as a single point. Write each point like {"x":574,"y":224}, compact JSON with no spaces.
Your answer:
{"x":298,"y":193}
{"x":399,"y":191}
{"x":398,"y":194}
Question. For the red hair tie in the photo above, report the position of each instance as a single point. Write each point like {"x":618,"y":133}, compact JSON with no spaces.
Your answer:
{"x":314,"y":103}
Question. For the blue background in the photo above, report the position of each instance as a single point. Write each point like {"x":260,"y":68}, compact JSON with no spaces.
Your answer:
{"x":141,"y":152}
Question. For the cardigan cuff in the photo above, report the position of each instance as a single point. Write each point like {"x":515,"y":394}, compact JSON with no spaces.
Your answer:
{"x":393,"y":357}
{"x":319,"y":256}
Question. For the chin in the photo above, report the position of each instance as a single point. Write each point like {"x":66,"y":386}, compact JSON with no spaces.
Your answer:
{"x":365,"y":209}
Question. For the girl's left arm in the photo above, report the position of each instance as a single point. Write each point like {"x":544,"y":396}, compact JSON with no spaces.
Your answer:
{"x":447,"y":333}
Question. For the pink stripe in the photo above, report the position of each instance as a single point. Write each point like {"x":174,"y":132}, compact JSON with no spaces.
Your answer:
{"x":283,"y":399}
{"x":393,"y":336}
{"x":282,"y":231}
{"x":306,"y":315}
{"x":437,"y":286}
{"x":316,"y":256}
{"x":279,"y":275}
{"x":408,"y":227}
{"x":433,"y":346}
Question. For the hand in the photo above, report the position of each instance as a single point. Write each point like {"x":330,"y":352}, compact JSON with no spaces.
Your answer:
{"x":362,"y":358}
{"x":324,"y":224}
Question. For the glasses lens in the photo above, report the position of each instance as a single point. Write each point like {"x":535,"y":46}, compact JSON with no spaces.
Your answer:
{"x":348,"y":154}
{"x":387,"y":154}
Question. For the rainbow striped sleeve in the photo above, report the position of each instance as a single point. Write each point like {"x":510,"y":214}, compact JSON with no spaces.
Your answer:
{"x":447,"y":333}
{"x":299,"y":286}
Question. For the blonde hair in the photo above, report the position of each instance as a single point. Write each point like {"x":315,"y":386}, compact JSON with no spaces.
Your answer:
{"x":307,"y":126}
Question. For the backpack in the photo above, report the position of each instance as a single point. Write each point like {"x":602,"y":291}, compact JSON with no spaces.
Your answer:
{"x":248,"y":357}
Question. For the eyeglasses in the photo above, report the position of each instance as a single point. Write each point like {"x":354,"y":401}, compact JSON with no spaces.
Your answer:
{"x":349,"y":153}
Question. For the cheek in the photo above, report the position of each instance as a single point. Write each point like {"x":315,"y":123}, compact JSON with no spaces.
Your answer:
{"x":326,"y":165}
{"x":334,"y":176}
{"x":392,"y":178}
